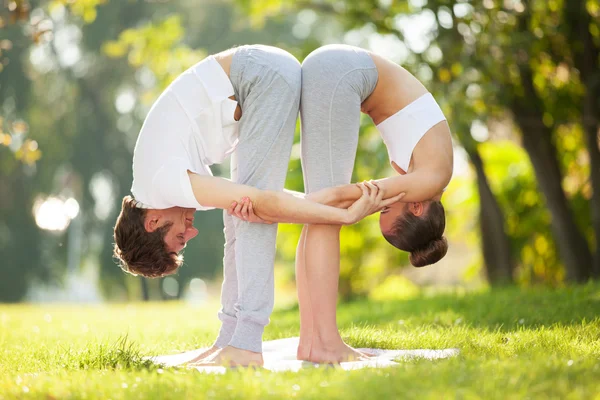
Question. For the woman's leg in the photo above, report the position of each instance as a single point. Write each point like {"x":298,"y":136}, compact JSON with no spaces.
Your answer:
{"x":335,"y":81}
{"x":322,"y":271}
{"x":306,"y":316}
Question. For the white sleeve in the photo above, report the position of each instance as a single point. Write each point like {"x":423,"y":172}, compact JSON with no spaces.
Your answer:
{"x":171,"y":186}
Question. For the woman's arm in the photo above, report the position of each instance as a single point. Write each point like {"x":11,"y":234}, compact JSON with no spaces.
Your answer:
{"x":274,"y":206}
{"x":420,"y":185}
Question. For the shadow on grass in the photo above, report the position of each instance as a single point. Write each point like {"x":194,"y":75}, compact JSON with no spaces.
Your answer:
{"x":503,"y":309}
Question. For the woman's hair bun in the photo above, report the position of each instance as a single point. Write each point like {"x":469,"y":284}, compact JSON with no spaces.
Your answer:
{"x":431,"y":253}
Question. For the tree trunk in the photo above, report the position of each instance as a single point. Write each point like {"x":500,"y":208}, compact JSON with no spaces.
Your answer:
{"x":573,"y":247}
{"x":586,"y":54}
{"x":592,"y":132}
{"x":495,"y":242}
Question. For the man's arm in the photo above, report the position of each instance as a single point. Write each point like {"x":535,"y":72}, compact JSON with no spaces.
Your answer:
{"x":273,"y":206}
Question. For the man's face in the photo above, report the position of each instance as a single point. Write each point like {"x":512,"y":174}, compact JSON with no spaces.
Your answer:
{"x":182,"y":228}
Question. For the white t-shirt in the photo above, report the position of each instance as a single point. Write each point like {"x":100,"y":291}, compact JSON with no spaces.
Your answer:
{"x":402,"y":131}
{"x":190,"y":127}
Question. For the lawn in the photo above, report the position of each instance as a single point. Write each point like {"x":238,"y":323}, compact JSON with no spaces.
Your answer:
{"x":535,"y":343}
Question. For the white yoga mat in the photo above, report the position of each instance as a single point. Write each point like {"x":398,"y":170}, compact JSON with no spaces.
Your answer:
{"x":280,"y":355}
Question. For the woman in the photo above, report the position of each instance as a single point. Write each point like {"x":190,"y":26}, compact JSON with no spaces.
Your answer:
{"x":242,"y":101}
{"x":338,"y":82}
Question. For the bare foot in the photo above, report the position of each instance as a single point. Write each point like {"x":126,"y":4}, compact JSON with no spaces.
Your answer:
{"x":204,"y":354}
{"x":303,"y":352}
{"x":231,"y":357}
{"x":334,"y":353}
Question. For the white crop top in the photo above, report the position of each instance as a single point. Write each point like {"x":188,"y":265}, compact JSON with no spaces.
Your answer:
{"x":402,"y":131}
{"x":190,"y":127}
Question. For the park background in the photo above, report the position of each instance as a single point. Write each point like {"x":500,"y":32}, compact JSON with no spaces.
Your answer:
{"x":518,"y":80}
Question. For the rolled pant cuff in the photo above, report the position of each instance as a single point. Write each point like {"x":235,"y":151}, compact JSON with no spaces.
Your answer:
{"x":228,"y":325}
{"x":248,"y":336}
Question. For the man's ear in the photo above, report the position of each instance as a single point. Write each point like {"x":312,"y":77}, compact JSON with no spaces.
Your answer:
{"x":152,"y":220}
{"x":416,"y":208}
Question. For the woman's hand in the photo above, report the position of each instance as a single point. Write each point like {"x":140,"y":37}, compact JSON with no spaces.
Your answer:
{"x":243,"y":210}
{"x":370,"y":202}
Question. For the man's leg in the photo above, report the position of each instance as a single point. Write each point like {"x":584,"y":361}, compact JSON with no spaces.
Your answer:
{"x":229,"y":291}
{"x":267,"y":85}
{"x":335,"y":81}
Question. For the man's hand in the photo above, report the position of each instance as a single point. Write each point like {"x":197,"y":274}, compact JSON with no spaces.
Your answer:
{"x":243,"y":210}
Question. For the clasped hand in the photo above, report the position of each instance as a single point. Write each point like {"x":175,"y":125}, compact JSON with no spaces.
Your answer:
{"x":370,"y":202}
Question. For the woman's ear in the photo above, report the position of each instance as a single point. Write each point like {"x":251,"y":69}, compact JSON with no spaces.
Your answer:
{"x":416,"y":208}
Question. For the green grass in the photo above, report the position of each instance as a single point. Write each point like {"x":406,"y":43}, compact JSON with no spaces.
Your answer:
{"x":536,"y":343}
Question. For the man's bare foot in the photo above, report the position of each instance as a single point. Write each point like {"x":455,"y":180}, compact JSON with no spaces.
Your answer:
{"x":334,"y":353}
{"x":204,"y":354}
{"x":231,"y":357}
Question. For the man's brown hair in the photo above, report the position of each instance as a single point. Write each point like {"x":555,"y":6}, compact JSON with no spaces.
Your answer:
{"x":138,"y":251}
{"x":422,"y":235}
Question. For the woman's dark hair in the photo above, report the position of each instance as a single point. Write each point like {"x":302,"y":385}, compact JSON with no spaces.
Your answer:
{"x":422,"y":236}
{"x":138,"y":251}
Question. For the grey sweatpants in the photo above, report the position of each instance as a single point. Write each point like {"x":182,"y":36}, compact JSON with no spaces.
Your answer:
{"x":267,"y":84}
{"x":336,"y":79}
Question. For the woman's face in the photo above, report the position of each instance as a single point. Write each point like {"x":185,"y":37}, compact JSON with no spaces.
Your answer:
{"x":389,"y":215}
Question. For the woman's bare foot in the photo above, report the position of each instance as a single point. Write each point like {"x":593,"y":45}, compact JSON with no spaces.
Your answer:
{"x":303,"y":352}
{"x":334,"y":352}
{"x":204,"y":354}
{"x":231,"y":357}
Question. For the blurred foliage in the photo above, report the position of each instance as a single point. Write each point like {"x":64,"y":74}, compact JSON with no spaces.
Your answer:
{"x":86,"y":9}
{"x":12,"y":135}
{"x":77,"y":78}
{"x":476,"y":57}
{"x":65,"y":132}
{"x":527,"y":218}
{"x":157,"y":48}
